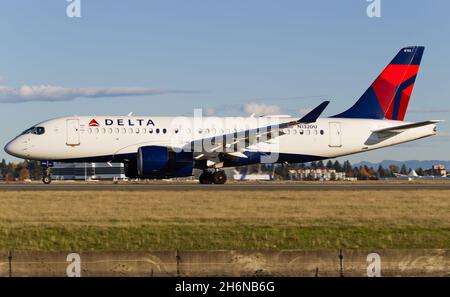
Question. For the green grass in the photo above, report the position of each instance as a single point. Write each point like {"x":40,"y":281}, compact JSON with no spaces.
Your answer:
{"x":220,"y":236}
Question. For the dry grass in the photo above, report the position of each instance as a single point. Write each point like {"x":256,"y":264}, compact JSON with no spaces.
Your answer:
{"x":105,"y":208}
{"x":108,"y":220}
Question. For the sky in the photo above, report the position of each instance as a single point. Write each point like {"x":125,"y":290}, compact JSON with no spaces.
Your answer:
{"x":229,"y":57}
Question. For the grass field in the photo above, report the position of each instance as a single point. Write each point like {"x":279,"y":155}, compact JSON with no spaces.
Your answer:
{"x":161,"y":220}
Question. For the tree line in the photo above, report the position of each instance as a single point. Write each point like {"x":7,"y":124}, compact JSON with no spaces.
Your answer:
{"x":281,"y":171}
{"x":32,"y":170}
{"x":20,"y":171}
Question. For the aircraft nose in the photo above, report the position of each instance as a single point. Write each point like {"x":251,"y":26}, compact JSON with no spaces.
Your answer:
{"x":9,"y":148}
{"x":13,"y":148}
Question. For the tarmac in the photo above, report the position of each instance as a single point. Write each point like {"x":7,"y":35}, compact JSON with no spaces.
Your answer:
{"x":76,"y":186}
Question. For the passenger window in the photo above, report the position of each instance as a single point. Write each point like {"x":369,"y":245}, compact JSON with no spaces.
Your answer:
{"x":96,"y":130}
{"x":301,"y":131}
{"x":117,"y":130}
{"x":124,"y":130}
{"x":130,"y":130}
{"x":164,"y":130}
{"x":144,"y":131}
{"x":150,"y":130}
{"x":137,"y":130}
{"x":110,"y":130}
{"x":157,"y":131}
{"x":321,"y":132}
{"x":103,"y":130}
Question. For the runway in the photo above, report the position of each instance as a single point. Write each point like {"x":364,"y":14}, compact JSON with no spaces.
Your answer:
{"x":227,"y":187}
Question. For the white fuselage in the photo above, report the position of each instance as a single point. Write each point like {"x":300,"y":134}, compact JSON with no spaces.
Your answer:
{"x":78,"y":138}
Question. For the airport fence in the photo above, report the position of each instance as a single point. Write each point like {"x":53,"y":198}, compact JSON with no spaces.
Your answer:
{"x":343,"y":263}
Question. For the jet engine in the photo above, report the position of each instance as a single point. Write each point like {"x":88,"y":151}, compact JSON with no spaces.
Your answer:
{"x":160,"y":162}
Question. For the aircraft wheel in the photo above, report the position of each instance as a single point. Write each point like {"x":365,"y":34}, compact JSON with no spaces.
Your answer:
{"x":206,"y":178}
{"x":219,"y":177}
{"x":46,"y":179}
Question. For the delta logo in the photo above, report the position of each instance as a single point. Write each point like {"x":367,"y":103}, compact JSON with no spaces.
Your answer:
{"x":93,"y":123}
{"x":123,"y":122}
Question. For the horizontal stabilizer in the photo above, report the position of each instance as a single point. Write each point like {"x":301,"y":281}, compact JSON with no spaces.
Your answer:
{"x":402,"y":128}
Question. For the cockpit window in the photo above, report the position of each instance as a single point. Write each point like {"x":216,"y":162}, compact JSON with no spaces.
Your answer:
{"x":34,"y":130}
{"x":27,"y":131}
{"x":38,"y":131}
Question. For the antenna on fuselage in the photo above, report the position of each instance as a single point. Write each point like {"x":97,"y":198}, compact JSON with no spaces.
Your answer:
{"x":130,"y":114}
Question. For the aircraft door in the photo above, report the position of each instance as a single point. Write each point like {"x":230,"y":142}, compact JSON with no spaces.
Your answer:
{"x":73,"y":132}
{"x":335,"y":134}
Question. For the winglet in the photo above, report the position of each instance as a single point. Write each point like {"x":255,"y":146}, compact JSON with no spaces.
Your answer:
{"x":312,"y":116}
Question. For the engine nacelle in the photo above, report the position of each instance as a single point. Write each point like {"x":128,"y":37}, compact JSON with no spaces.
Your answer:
{"x":163,"y":162}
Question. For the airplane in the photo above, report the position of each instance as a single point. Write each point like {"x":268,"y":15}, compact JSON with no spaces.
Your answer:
{"x":148,"y":150}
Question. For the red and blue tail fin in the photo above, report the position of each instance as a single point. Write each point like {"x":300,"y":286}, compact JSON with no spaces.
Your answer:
{"x":388,"y":96}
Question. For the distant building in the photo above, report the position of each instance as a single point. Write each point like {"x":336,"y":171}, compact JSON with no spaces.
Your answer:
{"x":88,"y":171}
{"x":317,"y":174}
{"x":436,"y":170}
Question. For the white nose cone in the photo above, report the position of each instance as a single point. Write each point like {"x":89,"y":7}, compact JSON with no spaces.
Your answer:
{"x":13,"y":148}
{"x":8,"y":148}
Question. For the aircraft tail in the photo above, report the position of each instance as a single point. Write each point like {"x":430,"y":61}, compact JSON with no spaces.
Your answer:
{"x":388,"y":96}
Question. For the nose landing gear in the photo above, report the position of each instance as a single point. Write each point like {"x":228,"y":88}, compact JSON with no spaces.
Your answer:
{"x":47,"y":179}
{"x":218,"y":177}
{"x":46,"y":175}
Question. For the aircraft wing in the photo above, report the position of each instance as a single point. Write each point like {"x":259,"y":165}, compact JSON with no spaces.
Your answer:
{"x":402,"y":128}
{"x":226,"y":142}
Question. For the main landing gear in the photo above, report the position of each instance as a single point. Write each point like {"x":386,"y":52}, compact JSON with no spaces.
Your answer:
{"x":218,"y":177}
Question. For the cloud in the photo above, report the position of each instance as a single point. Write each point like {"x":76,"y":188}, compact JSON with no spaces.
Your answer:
{"x":261,"y":109}
{"x":303,"y":111}
{"x":50,"y":93}
{"x":429,"y":110}
{"x":209,"y":111}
